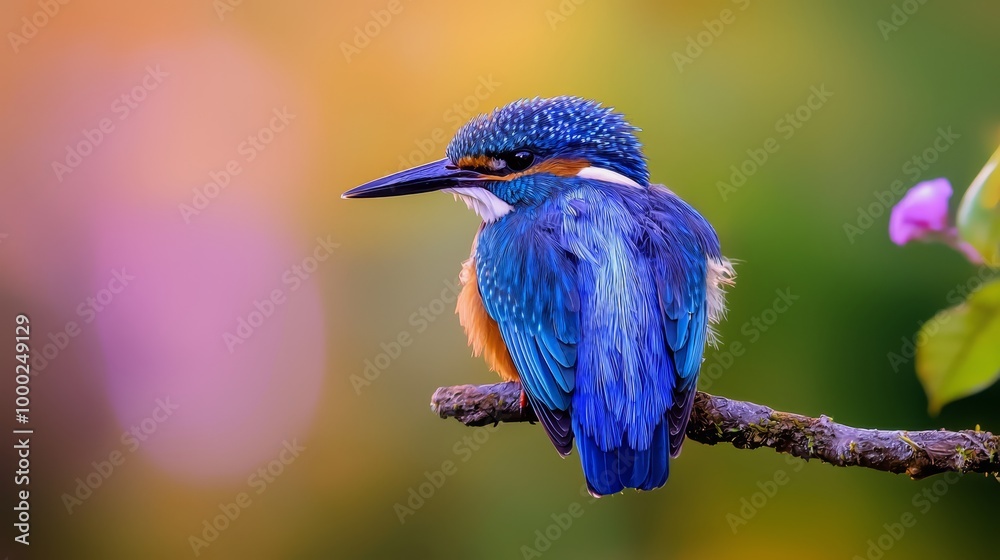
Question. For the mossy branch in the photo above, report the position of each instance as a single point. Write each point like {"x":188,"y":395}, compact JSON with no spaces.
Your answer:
{"x":918,"y":454}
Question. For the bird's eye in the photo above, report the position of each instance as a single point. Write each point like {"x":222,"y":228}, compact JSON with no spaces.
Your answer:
{"x":519,"y":161}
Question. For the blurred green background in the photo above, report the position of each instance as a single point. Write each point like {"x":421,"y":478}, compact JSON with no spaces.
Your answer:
{"x":375,"y":85}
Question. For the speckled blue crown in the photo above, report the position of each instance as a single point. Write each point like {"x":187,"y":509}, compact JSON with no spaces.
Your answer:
{"x":566,"y":126}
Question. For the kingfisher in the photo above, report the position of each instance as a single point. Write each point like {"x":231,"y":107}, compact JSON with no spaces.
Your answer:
{"x":593,"y":288}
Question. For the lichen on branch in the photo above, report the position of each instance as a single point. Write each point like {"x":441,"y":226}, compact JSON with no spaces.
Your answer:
{"x":746,"y":425}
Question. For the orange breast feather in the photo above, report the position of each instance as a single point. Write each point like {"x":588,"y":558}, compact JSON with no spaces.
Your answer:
{"x":482,"y":330}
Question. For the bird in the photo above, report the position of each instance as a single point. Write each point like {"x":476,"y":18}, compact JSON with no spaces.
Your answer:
{"x":592,"y":287}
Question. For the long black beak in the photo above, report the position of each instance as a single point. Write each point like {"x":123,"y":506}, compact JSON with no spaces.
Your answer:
{"x":429,"y":177}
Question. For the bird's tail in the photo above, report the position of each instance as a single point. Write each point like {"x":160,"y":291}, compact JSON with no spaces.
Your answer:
{"x":611,"y":471}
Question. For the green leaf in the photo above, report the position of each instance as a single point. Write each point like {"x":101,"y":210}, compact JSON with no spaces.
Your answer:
{"x":958,"y":351}
{"x":979,"y":212}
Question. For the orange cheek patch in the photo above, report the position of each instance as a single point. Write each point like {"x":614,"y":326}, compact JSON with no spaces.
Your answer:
{"x":559,"y":167}
{"x":482,"y":330}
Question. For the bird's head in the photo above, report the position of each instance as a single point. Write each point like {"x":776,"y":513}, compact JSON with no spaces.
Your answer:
{"x":518,"y":154}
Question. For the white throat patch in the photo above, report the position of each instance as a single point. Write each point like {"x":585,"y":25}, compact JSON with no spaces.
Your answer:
{"x":608,"y":176}
{"x":483,"y":202}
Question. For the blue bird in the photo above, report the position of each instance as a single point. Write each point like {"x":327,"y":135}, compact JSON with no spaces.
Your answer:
{"x":592,"y":287}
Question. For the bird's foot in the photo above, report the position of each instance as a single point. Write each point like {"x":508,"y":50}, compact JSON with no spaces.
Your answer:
{"x":523,"y":402}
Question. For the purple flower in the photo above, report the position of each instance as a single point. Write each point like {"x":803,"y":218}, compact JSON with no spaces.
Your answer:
{"x":921,"y":213}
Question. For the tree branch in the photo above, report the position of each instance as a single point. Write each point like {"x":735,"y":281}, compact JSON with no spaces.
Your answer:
{"x":749,"y":426}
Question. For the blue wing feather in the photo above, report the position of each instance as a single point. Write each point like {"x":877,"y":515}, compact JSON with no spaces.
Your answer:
{"x":527,"y":285}
{"x":600,"y":296}
{"x":624,"y":380}
{"x":680,"y":244}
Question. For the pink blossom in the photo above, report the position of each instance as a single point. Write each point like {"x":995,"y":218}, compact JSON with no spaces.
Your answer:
{"x":922,"y":212}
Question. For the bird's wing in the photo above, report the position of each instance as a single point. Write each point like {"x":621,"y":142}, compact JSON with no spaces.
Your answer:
{"x":528,"y":286}
{"x":625,"y":371}
{"x":682,"y":248}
